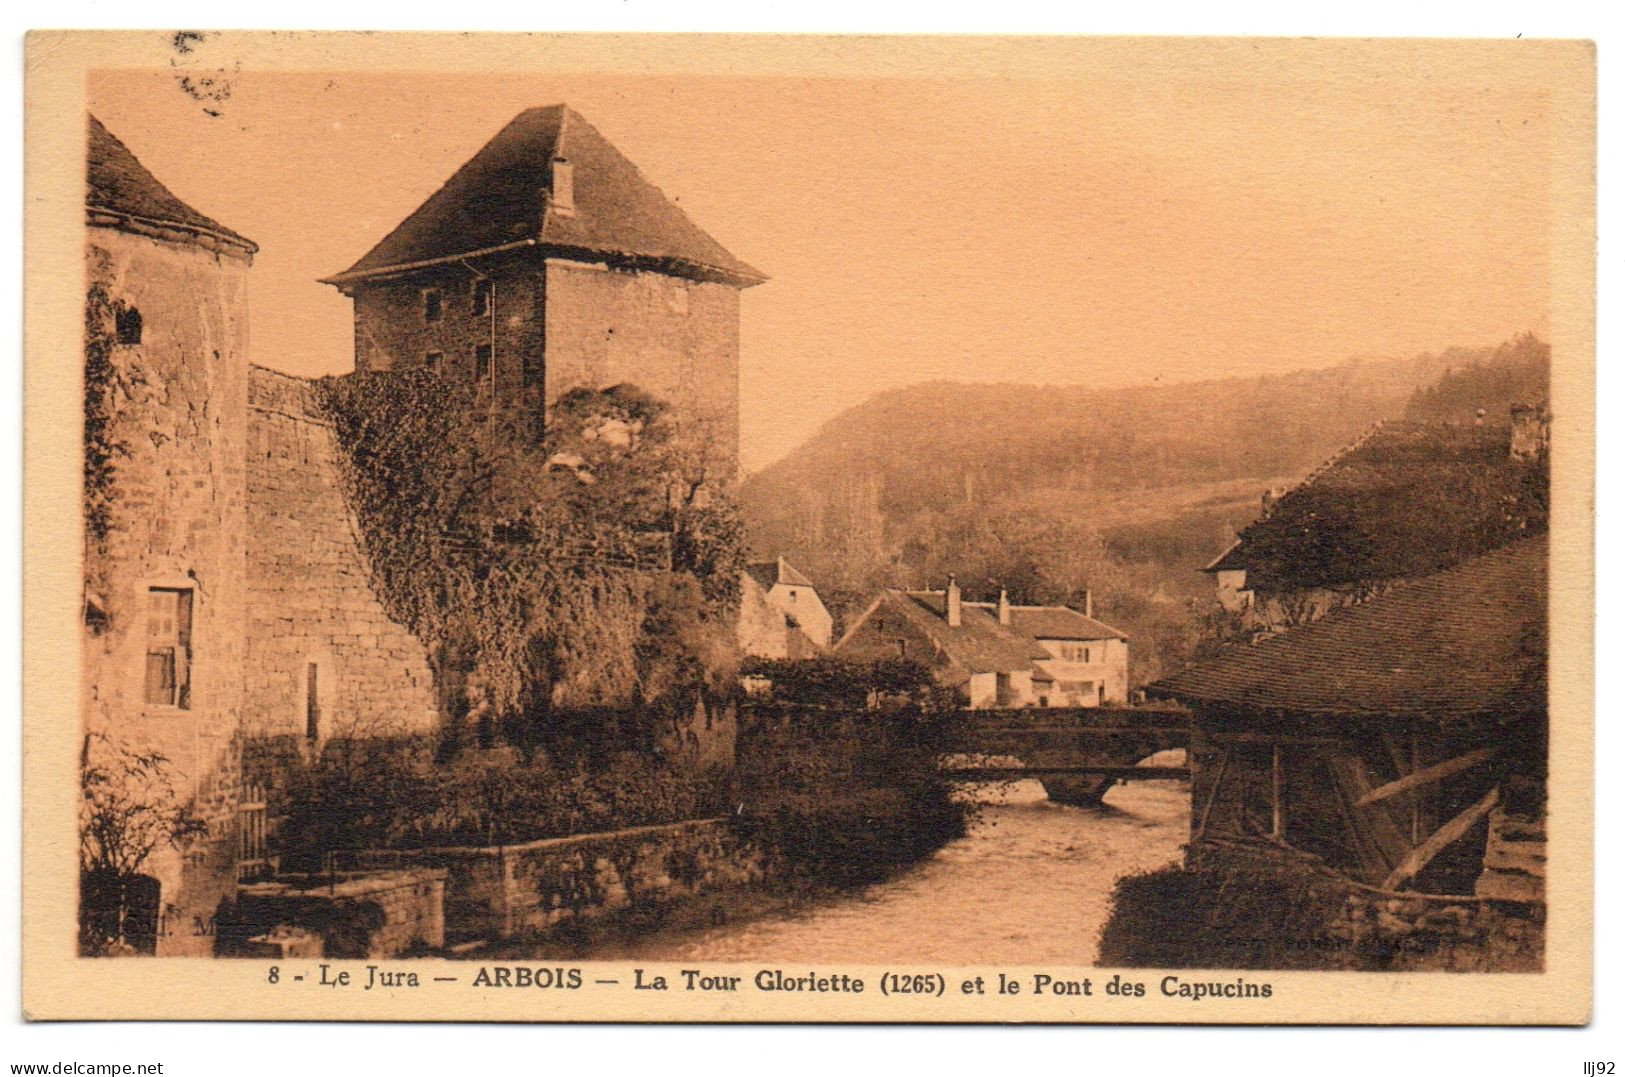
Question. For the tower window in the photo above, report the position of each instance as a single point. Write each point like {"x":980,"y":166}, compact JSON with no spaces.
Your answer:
{"x":482,"y":298}
{"x":169,"y":647}
{"x":313,"y":705}
{"x":432,"y":362}
{"x":482,"y":361}
{"x":127,"y":322}
{"x":431,"y":304}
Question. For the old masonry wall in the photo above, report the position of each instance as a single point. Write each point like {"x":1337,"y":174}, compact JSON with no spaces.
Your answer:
{"x":324,"y":657}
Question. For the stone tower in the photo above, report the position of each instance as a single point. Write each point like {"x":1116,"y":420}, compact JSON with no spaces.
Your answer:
{"x":166,"y":340}
{"x":549,"y":263}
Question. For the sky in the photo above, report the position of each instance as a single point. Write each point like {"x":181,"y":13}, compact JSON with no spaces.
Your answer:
{"x":1107,"y":229}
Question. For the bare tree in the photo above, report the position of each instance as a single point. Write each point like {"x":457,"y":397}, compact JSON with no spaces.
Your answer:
{"x":128,"y":809}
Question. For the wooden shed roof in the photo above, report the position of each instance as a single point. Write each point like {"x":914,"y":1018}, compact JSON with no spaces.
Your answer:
{"x":1468,"y":641}
{"x":1407,"y":500}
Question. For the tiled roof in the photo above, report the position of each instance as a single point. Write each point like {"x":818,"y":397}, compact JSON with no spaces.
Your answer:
{"x":980,"y":644}
{"x":496,"y":199}
{"x":1408,"y":500}
{"x":1060,"y":622}
{"x":776,"y":571}
{"x":120,"y":186}
{"x":1467,"y":641}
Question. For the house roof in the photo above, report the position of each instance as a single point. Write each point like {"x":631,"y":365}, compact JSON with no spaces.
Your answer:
{"x":1060,"y":622}
{"x":1232,"y":558}
{"x":1407,"y":500}
{"x":1467,"y":641}
{"x":776,"y":571}
{"x":118,"y":186}
{"x":979,"y":644}
{"x":496,"y":201}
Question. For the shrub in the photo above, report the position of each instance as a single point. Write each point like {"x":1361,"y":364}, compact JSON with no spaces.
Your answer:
{"x":592,"y":561}
{"x":827,"y":681}
{"x":128,"y":810}
{"x":395,"y":795}
{"x":1178,"y":918}
{"x":846,"y":799}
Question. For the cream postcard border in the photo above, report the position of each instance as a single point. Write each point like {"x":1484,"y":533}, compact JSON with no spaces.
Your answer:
{"x":59,"y":985}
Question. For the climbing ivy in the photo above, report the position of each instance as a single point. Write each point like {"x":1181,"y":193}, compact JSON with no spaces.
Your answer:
{"x":581,"y":564}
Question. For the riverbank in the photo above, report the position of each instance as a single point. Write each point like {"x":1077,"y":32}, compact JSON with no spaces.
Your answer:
{"x":1029,"y":883}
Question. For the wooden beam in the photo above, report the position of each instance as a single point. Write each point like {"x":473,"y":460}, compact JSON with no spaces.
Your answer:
{"x":1213,"y":797}
{"x":1303,"y":741}
{"x":975,"y":732}
{"x":1427,"y":775}
{"x":999,"y":774}
{"x":1445,"y":836}
{"x":1416,"y":797}
{"x":1277,"y":807}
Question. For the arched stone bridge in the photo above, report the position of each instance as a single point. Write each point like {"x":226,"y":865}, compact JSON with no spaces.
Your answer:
{"x":1076,"y":753}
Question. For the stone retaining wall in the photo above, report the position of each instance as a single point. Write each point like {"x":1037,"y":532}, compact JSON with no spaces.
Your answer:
{"x":499,"y":892}
{"x":1435,"y":934}
{"x":374,"y":914}
{"x":1396,"y":932}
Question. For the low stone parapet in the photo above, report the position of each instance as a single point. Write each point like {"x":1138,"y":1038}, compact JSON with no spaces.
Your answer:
{"x":355,"y":914}
{"x":501,"y":891}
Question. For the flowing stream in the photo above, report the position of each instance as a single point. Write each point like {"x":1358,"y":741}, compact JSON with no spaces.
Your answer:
{"x":1031,"y":883}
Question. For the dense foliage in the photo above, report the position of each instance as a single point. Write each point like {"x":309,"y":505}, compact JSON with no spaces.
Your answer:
{"x":1174,"y":918}
{"x":104,"y":385}
{"x":377,"y":794}
{"x":1516,"y":372}
{"x":591,"y":564}
{"x":101,"y":448}
{"x":846,"y":798}
{"x":834,"y":682}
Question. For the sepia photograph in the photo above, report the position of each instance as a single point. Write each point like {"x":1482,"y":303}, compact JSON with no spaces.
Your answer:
{"x":982,"y":530}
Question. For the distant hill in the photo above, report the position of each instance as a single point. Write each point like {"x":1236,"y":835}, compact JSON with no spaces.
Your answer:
{"x":1048,"y":490}
{"x":1517,"y":372}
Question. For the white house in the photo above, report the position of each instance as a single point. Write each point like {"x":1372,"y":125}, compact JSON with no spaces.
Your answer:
{"x":999,"y":654}
{"x":781,"y":613}
{"x":1088,"y":659}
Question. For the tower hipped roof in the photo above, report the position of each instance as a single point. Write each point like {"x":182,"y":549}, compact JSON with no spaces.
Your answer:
{"x":498,"y":201}
{"x":121,"y":192}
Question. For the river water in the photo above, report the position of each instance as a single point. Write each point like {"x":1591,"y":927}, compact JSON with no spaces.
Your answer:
{"x":1030,"y":883}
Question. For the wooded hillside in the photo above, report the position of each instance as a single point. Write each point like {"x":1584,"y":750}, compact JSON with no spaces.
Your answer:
{"x":1051,"y":490}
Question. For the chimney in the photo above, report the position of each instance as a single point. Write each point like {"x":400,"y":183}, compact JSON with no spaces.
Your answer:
{"x":951,"y":606}
{"x":1004,"y":606}
{"x":1088,"y":602}
{"x":1531,"y":431}
{"x":561,"y":197}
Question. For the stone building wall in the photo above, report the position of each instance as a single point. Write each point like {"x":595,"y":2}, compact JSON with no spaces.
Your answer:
{"x":175,"y":520}
{"x":560,"y":325}
{"x":674,"y":337}
{"x":392,"y":332}
{"x":1344,"y":924}
{"x":309,"y":600}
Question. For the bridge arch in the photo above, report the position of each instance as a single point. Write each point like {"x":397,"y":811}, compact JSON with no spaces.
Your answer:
{"x":1077,"y":754}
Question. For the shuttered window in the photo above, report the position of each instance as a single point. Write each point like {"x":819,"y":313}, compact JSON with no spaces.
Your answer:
{"x":169,"y":647}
